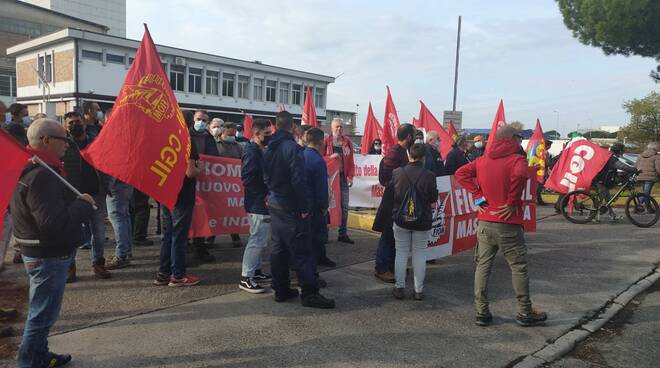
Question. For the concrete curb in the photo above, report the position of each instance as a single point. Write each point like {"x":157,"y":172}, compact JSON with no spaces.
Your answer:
{"x":566,"y":342}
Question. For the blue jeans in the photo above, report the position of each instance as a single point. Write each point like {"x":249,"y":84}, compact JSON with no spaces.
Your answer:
{"x":97,"y":227}
{"x":176,"y":224}
{"x":385,"y":253}
{"x":118,"y":201}
{"x":259,"y":231}
{"x":47,"y":279}
{"x":343,"y":184}
{"x":648,"y":187}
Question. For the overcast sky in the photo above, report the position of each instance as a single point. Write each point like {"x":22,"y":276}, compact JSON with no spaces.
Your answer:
{"x":519,"y":51}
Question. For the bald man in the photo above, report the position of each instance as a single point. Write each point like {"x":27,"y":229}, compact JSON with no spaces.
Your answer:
{"x":496,"y":181}
{"x":47,"y":219}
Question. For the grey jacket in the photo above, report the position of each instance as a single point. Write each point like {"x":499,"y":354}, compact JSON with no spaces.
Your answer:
{"x":649,"y":165}
{"x":229,"y":149}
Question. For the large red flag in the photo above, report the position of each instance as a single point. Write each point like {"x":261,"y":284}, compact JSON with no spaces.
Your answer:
{"x":536,"y":153}
{"x":282,"y":108}
{"x":577,"y":167}
{"x":14,"y":159}
{"x":372,"y":130}
{"x":309,"y":111}
{"x":247,"y":126}
{"x":451,"y":129}
{"x":390,"y":123}
{"x":145,"y":142}
{"x":498,"y":121}
{"x":428,"y":122}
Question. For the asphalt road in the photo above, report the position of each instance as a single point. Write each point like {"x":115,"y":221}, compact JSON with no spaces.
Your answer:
{"x":128,"y":322}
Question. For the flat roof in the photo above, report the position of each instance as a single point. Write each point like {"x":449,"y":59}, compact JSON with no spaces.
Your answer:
{"x":74,"y":33}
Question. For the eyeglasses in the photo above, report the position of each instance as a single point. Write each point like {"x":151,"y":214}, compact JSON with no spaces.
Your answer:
{"x":66,"y":139}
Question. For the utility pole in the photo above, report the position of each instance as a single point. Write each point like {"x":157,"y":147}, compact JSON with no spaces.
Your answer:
{"x":458,"y":47}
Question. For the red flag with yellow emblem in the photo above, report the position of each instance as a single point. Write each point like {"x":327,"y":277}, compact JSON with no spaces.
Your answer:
{"x":145,"y":141}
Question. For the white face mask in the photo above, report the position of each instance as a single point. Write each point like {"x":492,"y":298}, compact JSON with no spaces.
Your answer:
{"x":215,"y":131}
{"x":230,"y":138}
{"x":478,"y":144}
{"x":419,"y":141}
{"x":99,"y":115}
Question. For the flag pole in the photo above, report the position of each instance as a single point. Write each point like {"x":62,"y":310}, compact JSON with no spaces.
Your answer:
{"x":39,"y":161}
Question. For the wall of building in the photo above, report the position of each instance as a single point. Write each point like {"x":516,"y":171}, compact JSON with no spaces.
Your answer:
{"x":111,"y":13}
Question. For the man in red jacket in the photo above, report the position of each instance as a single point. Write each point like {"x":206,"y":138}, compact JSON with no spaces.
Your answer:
{"x":339,"y":145}
{"x":496,"y":180}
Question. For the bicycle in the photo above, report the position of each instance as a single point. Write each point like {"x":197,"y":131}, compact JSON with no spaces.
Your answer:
{"x":582,"y":206}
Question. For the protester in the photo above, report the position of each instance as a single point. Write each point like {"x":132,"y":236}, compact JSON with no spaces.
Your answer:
{"x":255,"y":192}
{"x":539,"y":190}
{"x":300,"y":134}
{"x":140,"y":212}
{"x":396,"y":157}
{"x":87,"y":180}
{"x":47,"y":220}
{"x":240,"y":137}
{"x":284,"y":169}
{"x":376,"y":147}
{"x":5,"y":236}
{"x":92,"y":117}
{"x":648,"y":163}
{"x":176,"y":225}
{"x":432,"y":160}
{"x":228,"y":147}
{"x":20,"y":120}
{"x":118,"y":202}
{"x":415,"y":190}
{"x":496,"y":181}
{"x":478,"y":149}
{"x":338,"y":145}
{"x":205,"y":136}
{"x":316,"y":173}
{"x":456,"y":157}
{"x":608,"y":177}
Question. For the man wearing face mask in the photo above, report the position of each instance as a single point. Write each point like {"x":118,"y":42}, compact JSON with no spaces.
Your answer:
{"x":432,"y":160}
{"x":240,"y":137}
{"x":339,"y":145}
{"x":252,"y":175}
{"x":376,"y":147}
{"x":456,"y":157}
{"x":92,"y":117}
{"x":87,"y":180}
{"x":478,"y":149}
{"x":228,"y":147}
{"x":20,"y":119}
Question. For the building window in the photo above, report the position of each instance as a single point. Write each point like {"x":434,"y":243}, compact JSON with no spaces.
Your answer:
{"x":284,"y":93}
{"x":46,"y":67}
{"x":92,"y":55}
{"x":131,"y":60}
{"x":117,"y":59}
{"x":258,"y":89}
{"x":195,"y":80}
{"x":228,"y":84}
{"x":295,"y":95}
{"x":318,"y":98}
{"x":211,"y":82}
{"x":243,"y":85}
{"x":176,"y":77}
{"x":5,"y":85}
{"x":271,"y":87}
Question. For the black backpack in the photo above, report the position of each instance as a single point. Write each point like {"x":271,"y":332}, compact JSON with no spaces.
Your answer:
{"x":409,"y":214}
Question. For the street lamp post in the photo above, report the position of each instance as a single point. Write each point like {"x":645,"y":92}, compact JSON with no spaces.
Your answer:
{"x":557,"y":112}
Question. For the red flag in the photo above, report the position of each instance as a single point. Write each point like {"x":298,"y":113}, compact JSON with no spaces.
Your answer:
{"x":145,"y":142}
{"x":416,"y":123}
{"x":498,"y":121}
{"x":536,"y":153}
{"x":247,"y":126}
{"x":390,"y":123}
{"x":577,"y":167}
{"x":309,"y":111}
{"x":14,"y":158}
{"x":451,"y":129}
{"x":372,"y":130}
{"x":428,"y":122}
{"x":282,"y":108}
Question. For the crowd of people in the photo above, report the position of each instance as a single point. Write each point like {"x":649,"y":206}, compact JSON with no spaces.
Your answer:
{"x":286,"y":198}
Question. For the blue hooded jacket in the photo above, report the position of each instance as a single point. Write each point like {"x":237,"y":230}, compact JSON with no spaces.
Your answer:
{"x":316,"y":173}
{"x":284,"y":172}
{"x":252,"y":175}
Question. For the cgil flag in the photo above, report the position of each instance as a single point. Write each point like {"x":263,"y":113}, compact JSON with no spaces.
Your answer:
{"x":390,"y":123}
{"x":498,"y":121}
{"x":145,"y":142}
{"x":451,"y":129}
{"x":309,"y":111}
{"x":14,"y":159}
{"x":578,"y":165}
{"x":537,"y":153}
{"x":428,"y":122}
{"x":372,"y":130}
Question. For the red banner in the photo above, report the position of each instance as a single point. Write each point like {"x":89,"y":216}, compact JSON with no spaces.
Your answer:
{"x":14,"y":159}
{"x":455,"y":218}
{"x":578,"y":166}
{"x":219,"y":198}
{"x":145,"y":141}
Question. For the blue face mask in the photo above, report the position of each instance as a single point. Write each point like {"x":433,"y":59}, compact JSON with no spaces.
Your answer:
{"x":99,"y":115}
{"x":26,"y":121}
{"x":199,"y":126}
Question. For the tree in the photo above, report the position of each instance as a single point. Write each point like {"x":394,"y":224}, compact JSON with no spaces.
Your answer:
{"x":517,"y":125}
{"x":644,"y":124}
{"x":624,"y":27}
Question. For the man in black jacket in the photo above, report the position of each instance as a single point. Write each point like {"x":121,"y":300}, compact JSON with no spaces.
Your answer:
{"x":284,"y":170}
{"x":456,"y":157}
{"x":252,"y":175}
{"x":432,"y":160}
{"x":47,"y":219}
